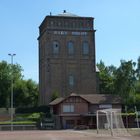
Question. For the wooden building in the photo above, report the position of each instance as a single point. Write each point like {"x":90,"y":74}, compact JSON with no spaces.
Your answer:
{"x":76,"y":110}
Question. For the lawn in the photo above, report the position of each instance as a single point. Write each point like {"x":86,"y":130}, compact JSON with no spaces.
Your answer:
{"x":24,"y":119}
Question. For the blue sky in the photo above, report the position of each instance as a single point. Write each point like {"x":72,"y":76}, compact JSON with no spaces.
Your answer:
{"x":117,"y":23}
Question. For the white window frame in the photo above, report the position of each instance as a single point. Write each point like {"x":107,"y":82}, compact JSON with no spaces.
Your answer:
{"x":68,"y":108}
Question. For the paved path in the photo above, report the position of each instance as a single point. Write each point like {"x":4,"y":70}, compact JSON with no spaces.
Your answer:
{"x":58,"y":135}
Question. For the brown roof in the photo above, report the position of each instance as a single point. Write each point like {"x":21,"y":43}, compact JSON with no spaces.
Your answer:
{"x":56,"y":101}
{"x":101,"y":98}
{"x":93,"y":99}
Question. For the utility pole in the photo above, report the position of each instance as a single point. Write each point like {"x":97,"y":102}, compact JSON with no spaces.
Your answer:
{"x":11,"y":112}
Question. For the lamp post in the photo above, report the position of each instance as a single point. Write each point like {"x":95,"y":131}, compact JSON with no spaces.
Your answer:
{"x":11,"y":112}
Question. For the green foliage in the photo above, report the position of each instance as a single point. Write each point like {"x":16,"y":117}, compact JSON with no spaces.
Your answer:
{"x":28,"y":117}
{"x":5,"y":81}
{"x":138,"y":98}
{"x":137,"y":86}
{"x":123,"y":81}
{"x":19,"y":122}
{"x":106,"y":76}
{"x":138,"y":69}
{"x":39,"y":109}
{"x":55,"y":95}
{"x":25,"y":119}
{"x":25,"y":91}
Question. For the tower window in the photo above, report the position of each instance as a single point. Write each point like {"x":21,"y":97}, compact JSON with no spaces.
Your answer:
{"x":71,"y":80}
{"x":56,"y":48}
{"x":85,"y":48}
{"x":70,"y":48}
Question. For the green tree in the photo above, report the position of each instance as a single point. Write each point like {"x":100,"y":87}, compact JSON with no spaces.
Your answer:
{"x":125,"y":80}
{"x":25,"y":91}
{"x":138,"y":69}
{"x":4,"y":84}
{"x":19,"y":93}
{"x":55,"y":95}
{"x":106,"y":78}
{"x":6,"y":71}
{"x":32,"y":90}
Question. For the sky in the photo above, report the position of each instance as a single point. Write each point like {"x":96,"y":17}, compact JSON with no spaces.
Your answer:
{"x":117,"y":24}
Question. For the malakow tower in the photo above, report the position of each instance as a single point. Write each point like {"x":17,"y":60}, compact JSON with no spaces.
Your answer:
{"x":66,"y":56}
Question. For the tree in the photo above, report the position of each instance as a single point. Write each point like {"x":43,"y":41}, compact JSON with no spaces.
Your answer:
{"x":137,"y":85}
{"x":5,"y":81}
{"x":25,"y":91}
{"x":106,"y":78}
{"x":138,"y":69}
{"x":32,"y":90}
{"x":125,"y":80}
{"x":55,"y":95}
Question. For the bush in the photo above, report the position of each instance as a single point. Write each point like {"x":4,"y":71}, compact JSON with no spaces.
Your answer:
{"x":44,"y":109}
{"x":131,"y":108}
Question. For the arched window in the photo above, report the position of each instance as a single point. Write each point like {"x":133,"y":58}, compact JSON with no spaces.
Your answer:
{"x":70,"y":48}
{"x":56,"y":48}
{"x":85,"y":48}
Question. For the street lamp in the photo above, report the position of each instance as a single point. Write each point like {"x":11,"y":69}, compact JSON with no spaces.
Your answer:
{"x":11,"y":112}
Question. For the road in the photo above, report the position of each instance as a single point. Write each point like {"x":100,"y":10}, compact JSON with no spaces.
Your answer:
{"x":58,"y":135}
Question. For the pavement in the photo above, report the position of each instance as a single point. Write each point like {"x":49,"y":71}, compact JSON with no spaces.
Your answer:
{"x":60,"y":135}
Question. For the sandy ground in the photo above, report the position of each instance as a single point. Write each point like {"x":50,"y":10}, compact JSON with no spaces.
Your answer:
{"x":60,"y":135}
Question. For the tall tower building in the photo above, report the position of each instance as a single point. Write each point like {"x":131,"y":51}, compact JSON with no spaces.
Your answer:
{"x":66,"y":56}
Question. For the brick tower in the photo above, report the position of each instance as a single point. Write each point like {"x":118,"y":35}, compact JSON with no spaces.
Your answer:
{"x":66,"y":56}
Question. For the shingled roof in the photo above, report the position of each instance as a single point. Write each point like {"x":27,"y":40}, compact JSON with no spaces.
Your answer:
{"x":56,"y":101}
{"x":101,"y":98}
{"x":93,"y":99}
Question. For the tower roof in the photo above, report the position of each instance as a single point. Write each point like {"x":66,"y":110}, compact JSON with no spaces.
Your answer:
{"x":67,"y":14}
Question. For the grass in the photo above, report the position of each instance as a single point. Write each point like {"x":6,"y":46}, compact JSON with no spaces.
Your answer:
{"x":23,"y":119}
{"x":18,"y":123}
{"x":33,"y":117}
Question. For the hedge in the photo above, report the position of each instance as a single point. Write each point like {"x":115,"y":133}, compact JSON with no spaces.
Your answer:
{"x":44,"y":109}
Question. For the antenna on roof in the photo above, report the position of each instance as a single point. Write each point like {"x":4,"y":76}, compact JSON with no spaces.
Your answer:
{"x":64,"y":11}
{"x":50,"y":13}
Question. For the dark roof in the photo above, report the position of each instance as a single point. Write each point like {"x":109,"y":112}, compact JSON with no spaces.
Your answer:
{"x":101,"y":98}
{"x":56,"y":101}
{"x":93,"y":99}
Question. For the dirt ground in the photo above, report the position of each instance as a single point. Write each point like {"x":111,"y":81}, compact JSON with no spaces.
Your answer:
{"x":61,"y":135}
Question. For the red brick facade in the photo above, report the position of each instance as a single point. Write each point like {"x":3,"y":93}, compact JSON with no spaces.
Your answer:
{"x":66,"y":56}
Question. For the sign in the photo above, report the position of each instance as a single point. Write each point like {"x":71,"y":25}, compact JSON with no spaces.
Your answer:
{"x":71,"y":33}
{"x":105,"y":106}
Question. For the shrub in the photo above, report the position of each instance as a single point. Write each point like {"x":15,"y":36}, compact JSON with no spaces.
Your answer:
{"x":44,"y":109}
